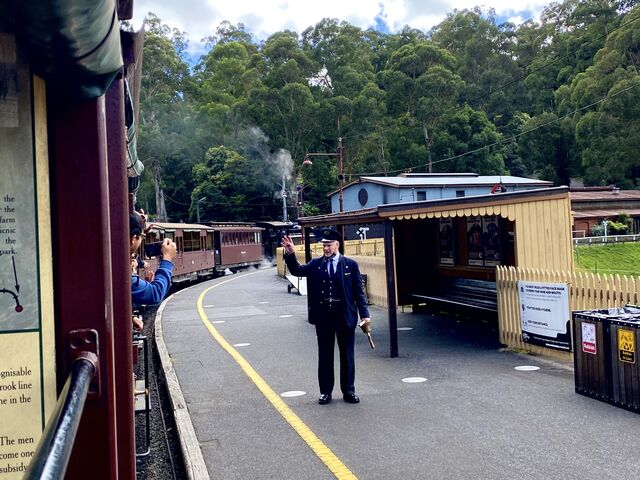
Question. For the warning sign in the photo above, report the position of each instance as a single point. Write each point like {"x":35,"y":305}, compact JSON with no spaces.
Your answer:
{"x":589,"y":338}
{"x":626,"y":346}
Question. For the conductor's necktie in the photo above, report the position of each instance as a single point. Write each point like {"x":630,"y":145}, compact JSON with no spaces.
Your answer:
{"x":332,"y":268}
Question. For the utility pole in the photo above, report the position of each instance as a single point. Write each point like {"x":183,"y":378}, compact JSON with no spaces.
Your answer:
{"x":198,"y":207}
{"x":285,"y":217}
{"x":340,"y":173}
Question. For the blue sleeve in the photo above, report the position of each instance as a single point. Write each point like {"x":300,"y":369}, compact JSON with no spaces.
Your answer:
{"x":294,"y":266}
{"x":358,"y":292}
{"x":152,"y":293}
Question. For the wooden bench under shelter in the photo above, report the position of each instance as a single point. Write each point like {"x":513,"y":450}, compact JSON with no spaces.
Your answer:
{"x":462,"y":292}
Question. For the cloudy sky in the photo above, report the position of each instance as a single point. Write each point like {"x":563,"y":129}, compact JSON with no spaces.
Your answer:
{"x":199,"y":18}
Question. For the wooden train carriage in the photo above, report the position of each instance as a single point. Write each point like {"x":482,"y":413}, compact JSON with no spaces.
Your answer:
{"x":195,"y":256}
{"x":237,"y":246}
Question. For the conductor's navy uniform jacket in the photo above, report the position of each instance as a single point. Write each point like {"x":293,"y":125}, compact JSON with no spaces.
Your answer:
{"x":348,"y":281}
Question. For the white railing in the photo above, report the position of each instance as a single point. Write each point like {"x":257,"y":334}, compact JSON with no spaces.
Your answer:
{"x":607,"y":239}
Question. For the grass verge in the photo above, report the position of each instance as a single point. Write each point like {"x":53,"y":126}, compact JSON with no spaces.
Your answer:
{"x":618,"y":258}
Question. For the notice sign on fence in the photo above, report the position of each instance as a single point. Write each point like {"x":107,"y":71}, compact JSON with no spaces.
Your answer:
{"x":544,"y":314}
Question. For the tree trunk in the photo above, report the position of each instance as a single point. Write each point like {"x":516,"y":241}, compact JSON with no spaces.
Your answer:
{"x":161,"y":210}
{"x":427,"y":142}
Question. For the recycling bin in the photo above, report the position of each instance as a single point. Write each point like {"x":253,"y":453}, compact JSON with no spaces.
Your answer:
{"x":591,"y":356}
{"x":625,"y":373}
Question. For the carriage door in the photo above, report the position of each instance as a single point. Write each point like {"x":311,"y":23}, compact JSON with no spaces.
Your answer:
{"x":217,"y":247}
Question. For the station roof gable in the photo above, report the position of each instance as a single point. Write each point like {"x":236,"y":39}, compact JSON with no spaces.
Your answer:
{"x":489,"y":204}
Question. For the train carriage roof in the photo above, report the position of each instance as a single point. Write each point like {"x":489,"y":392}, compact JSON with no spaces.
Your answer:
{"x":240,"y":228}
{"x":186,"y":227}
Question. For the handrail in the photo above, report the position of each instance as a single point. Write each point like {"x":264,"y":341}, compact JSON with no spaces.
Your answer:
{"x":54,"y":449}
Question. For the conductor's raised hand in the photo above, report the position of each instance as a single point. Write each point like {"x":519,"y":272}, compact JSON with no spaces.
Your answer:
{"x":168,"y":249}
{"x":287,"y":243}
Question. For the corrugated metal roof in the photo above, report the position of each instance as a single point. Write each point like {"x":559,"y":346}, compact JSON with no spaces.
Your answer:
{"x":458,"y":181}
{"x":607,"y":196}
{"x":583,"y":214}
{"x":352,"y":216}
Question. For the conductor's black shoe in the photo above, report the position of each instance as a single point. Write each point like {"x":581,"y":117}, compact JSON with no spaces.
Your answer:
{"x":351,"y":398}
{"x":324,"y":399}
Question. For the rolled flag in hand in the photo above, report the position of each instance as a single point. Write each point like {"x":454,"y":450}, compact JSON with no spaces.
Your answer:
{"x":365,"y":325}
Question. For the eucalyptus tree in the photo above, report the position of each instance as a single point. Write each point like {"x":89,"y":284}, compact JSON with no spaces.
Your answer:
{"x":562,"y":45}
{"x":469,"y":142}
{"x":547,"y":148}
{"x":484,"y":54}
{"x":421,"y":89}
{"x":166,"y":143}
{"x":344,"y":54}
{"x":225,"y":78}
{"x":605,"y":99}
{"x":230,"y":184}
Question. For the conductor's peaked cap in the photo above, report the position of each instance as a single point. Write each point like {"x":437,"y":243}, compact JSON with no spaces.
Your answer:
{"x":328,"y":235}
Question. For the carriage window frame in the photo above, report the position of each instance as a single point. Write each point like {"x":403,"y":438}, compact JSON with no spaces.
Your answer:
{"x":191,"y":240}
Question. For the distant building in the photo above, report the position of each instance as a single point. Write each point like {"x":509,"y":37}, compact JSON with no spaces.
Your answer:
{"x":592,"y":205}
{"x":369,"y":192}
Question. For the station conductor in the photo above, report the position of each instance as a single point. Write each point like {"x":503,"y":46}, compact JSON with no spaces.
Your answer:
{"x":335,"y":299}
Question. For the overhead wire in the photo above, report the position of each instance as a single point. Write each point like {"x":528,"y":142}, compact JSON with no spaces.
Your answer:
{"x":175,"y":201}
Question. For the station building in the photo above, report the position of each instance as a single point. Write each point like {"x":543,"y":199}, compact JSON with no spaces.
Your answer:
{"x":459,"y":241}
{"x":369,"y":192}
{"x":592,"y":205}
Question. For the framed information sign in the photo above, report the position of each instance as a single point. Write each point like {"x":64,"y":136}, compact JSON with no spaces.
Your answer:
{"x":27,"y":368}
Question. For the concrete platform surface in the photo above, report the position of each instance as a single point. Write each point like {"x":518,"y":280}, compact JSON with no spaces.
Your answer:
{"x":241,"y":357}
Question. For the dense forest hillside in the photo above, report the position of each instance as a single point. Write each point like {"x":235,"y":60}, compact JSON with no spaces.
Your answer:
{"x":553,"y":99}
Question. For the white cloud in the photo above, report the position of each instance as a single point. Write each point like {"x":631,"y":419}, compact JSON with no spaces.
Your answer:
{"x":199,"y":18}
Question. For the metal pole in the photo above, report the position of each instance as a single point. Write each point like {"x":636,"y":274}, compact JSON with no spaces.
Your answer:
{"x":54,"y":449}
{"x":285,"y":218}
{"x":198,"y":207}
{"x":341,"y":174}
{"x":392,"y":309}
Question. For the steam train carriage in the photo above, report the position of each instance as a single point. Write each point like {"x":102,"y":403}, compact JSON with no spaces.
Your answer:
{"x":205,"y":251}
{"x":239,"y":246}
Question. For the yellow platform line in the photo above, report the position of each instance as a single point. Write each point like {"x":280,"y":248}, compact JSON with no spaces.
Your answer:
{"x":324,"y":453}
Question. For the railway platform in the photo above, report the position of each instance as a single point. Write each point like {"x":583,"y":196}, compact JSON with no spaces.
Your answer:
{"x":452,"y":405}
